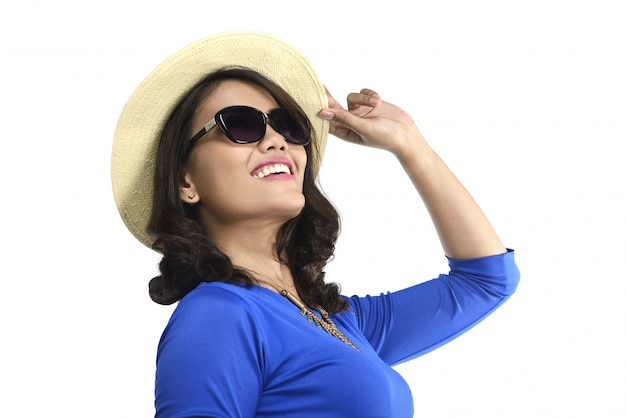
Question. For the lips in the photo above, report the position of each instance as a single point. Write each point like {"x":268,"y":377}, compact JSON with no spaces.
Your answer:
{"x":273,"y":168}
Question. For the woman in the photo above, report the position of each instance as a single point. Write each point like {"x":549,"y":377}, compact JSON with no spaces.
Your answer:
{"x":245,"y":235}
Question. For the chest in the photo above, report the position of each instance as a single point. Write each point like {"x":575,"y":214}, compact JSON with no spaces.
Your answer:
{"x":308,"y":372}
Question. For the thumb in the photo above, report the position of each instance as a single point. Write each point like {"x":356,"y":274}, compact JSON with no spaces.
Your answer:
{"x":344,"y":117}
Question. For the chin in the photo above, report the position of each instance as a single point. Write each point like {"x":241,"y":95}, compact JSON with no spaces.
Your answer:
{"x":294,"y":209}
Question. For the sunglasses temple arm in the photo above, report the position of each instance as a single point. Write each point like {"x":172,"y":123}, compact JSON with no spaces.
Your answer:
{"x":203,"y":131}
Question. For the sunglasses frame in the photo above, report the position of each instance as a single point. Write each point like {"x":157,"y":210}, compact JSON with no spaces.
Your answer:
{"x":267,"y":118}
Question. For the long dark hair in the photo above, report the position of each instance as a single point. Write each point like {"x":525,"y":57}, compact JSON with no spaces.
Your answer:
{"x":305,"y":243}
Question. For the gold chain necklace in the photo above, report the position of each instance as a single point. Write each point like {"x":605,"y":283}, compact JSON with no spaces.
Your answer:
{"x":325,"y":323}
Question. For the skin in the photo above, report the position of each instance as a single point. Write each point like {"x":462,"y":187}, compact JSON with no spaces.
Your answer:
{"x":463,"y":229}
{"x":242,"y":214}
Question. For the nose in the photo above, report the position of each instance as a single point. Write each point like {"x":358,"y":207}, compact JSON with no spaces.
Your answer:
{"x":272,"y":140}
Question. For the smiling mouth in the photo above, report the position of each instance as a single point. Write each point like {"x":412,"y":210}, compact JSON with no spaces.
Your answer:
{"x":272,"y":170}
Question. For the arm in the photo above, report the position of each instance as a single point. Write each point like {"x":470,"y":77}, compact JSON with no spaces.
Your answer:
{"x":463,"y":229}
{"x":483,"y":275}
{"x":406,"y":324}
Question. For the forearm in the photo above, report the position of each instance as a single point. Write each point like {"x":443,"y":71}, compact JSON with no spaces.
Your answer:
{"x":463,"y":229}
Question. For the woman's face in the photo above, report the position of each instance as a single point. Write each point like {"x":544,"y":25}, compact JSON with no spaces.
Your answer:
{"x":224,"y":176}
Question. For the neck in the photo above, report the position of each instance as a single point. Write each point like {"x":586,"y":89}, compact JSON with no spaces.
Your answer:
{"x":252,"y":246}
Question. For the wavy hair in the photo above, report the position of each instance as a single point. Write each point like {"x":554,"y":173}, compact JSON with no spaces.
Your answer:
{"x":305,"y":243}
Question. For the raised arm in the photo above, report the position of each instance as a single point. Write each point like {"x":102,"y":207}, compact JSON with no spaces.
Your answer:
{"x":463,"y":229}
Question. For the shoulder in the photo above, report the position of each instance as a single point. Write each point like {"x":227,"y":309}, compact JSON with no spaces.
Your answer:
{"x":218,"y":304}
{"x":213,"y":306}
{"x":211,"y":295}
{"x":214,"y":315}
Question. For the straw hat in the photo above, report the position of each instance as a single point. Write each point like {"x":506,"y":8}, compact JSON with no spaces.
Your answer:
{"x":139,"y":127}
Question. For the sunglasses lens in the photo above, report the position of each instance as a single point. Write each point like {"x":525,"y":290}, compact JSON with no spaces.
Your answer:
{"x":287,"y":124}
{"x":242,"y":124}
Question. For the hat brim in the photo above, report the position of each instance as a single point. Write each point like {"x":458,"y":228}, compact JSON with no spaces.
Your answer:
{"x":144,"y":115}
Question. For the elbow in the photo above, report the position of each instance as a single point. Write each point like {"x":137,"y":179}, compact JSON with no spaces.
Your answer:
{"x":510,"y":275}
{"x":511,"y":281}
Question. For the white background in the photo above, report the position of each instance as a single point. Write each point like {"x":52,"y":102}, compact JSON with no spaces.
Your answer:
{"x":525,"y":100}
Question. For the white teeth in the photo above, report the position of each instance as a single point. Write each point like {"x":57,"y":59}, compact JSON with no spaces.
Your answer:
{"x":279,"y":168}
{"x":272,"y":169}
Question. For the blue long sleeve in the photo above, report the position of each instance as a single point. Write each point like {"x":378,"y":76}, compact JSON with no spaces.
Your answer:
{"x":406,"y":324}
{"x":233,"y":351}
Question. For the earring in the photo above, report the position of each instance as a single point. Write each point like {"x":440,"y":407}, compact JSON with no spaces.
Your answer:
{"x":191,"y":195}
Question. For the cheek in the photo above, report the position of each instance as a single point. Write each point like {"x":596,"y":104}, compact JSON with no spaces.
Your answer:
{"x":205,"y":175}
{"x":216,"y":181}
{"x":222,"y":196}
{"x":221,"y":180}
{"x":215,"y":165}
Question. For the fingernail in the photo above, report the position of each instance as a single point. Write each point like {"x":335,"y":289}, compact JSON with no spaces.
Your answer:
{"x":374,"y":101}
{"x":327,"y":114}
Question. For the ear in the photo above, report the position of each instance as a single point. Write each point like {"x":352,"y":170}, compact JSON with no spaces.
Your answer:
{"x":188,"y":192}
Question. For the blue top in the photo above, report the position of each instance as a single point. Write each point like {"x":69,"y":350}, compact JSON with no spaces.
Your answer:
{"x":231,"y":351}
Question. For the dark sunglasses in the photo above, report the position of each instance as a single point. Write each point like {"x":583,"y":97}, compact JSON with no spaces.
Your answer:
{"x":245,"y":125}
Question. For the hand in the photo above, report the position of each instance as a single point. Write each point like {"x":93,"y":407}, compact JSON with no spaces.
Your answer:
{"x":372,"y":122}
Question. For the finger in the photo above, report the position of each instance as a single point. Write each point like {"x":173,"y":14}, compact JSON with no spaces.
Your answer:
{"x":345,"y":133}
{"x":370,"y":92}
{"x":365,"y":97}
{"x":348,"y":122}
